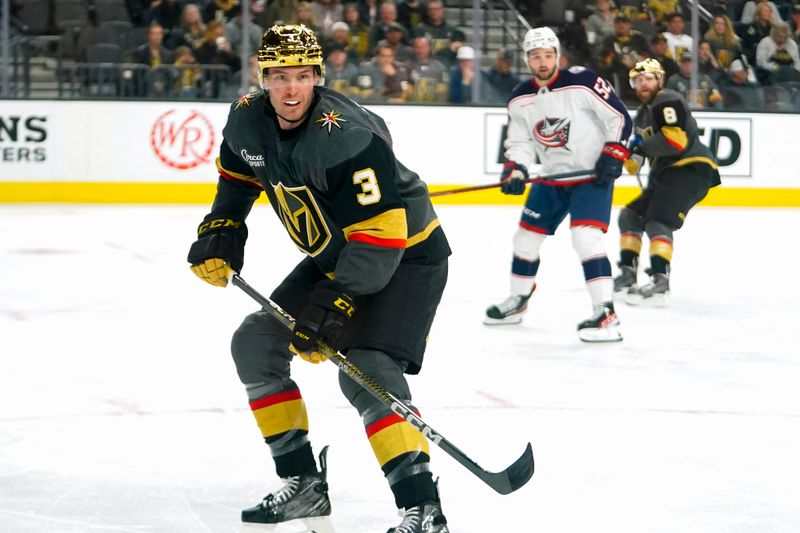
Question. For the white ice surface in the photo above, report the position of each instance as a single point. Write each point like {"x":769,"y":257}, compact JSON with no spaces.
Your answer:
{"x":120,"y":410}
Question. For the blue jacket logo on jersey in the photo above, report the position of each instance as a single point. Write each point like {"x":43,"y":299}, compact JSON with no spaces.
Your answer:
{"x":552,"y":132}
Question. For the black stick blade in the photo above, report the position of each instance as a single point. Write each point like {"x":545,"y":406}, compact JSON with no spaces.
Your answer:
{"x":513,"y":477}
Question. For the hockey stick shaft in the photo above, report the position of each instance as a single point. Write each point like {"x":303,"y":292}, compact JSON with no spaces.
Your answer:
{"x":505,"y":482}
{"x":551,"y":177}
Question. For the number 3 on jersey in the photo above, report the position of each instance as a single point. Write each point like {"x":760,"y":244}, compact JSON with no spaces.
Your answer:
{"x":603,"y":88}
{"x":370,"y":192}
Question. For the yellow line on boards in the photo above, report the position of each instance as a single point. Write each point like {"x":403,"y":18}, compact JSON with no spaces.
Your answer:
{"x":107,"y":192}
{"x":203,"y":193}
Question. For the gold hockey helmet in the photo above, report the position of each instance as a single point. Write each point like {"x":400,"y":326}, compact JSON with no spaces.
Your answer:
{"x":646,"y":66}
{"x":292,"y":45}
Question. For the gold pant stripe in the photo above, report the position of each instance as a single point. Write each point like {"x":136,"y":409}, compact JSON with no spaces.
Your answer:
{"x":631,"y":241}
{"x":661,"y":248}
{"x":282,"y":417}
{"x":396,"y":440}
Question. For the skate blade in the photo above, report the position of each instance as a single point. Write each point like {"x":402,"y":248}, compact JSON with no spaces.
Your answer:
{"x":318,"y":524}
{"x":610,"y":334}
{"x":508,"y":321}
{"x":657,"y":300}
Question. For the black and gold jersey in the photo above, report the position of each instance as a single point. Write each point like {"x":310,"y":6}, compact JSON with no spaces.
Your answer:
{"x":335,"y":184}
{"x":670,"y":136}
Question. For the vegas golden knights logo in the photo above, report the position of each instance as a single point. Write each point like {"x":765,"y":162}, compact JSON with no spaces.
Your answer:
{"x":302,"y":218}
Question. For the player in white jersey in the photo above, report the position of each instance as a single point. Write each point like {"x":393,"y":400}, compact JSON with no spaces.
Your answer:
{"x":567,"y":119}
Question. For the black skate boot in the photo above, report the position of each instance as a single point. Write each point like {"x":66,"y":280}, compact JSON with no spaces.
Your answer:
{"x":509,"y":311}
{"x":424,"y":518}
{"x":654,"y":293}
{"x":303,"y":497}
{"x":602,"y":327}
{"x":626,"y":278}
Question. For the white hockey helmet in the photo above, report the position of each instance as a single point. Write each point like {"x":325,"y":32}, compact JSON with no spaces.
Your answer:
{"x":542,"y":37}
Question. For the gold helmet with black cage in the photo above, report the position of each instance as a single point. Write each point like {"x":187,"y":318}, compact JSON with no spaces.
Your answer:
{"x":646,"y":66}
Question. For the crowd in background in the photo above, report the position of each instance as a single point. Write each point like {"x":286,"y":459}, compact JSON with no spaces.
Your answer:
{"x":408,"y":51}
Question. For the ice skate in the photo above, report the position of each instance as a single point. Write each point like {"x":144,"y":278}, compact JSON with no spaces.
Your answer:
{"x":626,"y":278}
{"x":303,"y":498}
{"x":602,"y":327}
{"x":509,"y":311}
{"x":654,"y":293}
{"x":424,"y":518}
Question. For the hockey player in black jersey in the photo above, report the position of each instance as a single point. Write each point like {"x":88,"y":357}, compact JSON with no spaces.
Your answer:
{"x":682,"y":170}
{"x":374,"y":273}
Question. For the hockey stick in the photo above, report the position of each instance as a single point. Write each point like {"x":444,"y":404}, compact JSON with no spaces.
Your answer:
{"x":505,"y":482}
{"x":555,"y":177}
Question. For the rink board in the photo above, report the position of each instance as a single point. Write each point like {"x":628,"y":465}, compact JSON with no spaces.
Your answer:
{"x":164,"y":152}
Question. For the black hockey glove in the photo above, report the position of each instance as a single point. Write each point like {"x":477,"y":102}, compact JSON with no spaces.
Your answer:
{"x":511,"y":179}
{"x":609,"y":165}
{"x":219,"y":248}
{"x":325,"y":317}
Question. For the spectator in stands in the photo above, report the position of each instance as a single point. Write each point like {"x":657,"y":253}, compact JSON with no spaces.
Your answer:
{"x":600,"y":25}
{"x":749,"y":10}
{"x":370,"y":12}
{"x":304,"y":15}
{"x":411,"y":13}
{"x":777,"y":57}
{"x":153,"y":52}
{"x":279,"y":11}
{"x":659,"y":9}
{"x":438,"y":32}
{"x":187,"y":80}
{"x":707,"y":94}
{"x":326,"y":13}
{"x":387,"y":15}
{"x":740,"y":89}
{"x":359,"y":32}
{"x":427,"y":76}
{"x":340,"y":72}
{"x":500,"y":79}
{"x":394,"y":39}
{"x":658,"y":45}
{"x":383,"y":79}
{"x":619,"y":53}
{"x":723,"y":40}
{"x":234,"y":31}
{"x":339,"y":36}
{"x":165,"y":13}
{"x":190,"y":30}
{"x":678,"y":42}
{"x":794,"y":23}
{"x":707,"y":62}
{"x":215,"y":49}
{"x":217,"y":10}
{"x":137,"y":9}
{"x":753,"y":33}
{"x":462,"y":76}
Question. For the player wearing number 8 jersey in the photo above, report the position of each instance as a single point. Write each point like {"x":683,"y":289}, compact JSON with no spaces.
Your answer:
{"x":682,"y":170}
{"x":567,"y":119}
{"x":375,"y":271}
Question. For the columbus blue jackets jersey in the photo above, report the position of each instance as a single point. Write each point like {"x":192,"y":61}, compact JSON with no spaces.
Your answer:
{"x":335,"y":184}
{"x":564,"y":124}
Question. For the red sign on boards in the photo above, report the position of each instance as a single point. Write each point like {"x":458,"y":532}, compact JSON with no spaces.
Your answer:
{"x":182,"y":139}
